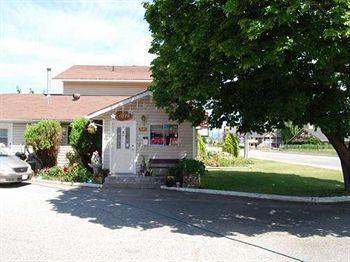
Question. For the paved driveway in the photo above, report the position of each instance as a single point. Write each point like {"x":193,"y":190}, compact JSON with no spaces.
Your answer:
{"x":40,"y":223}
{"x":329,"y":162}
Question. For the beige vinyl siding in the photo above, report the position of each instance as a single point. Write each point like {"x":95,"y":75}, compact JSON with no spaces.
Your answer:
{"x":96,"y":88}
{"x":61,"y":158}
{"x":154,"y":116}
{"x":18,"y":133}
{"x":18,"y":137}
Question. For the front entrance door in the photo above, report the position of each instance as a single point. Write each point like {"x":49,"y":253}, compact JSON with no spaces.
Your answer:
{"x":123,"y":151}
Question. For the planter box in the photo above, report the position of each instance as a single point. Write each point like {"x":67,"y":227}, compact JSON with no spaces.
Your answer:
{"x":191,"y":180}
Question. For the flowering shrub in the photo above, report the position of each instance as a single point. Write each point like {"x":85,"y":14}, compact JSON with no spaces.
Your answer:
{"x":226,"y":160}
{"x":71,"y":173}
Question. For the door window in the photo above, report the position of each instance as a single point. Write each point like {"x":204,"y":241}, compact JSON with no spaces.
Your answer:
{"x":119,"y":137}
{"x":127,"y":137}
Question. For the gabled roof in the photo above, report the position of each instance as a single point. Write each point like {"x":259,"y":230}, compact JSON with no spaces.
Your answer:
{"x":29,"y":107}
{"x":312,"y":132}
{"x":119,"y":104}
{"x":106,"y":73}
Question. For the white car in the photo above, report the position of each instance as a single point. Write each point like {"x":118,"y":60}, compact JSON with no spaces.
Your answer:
{"x":12,"y":169}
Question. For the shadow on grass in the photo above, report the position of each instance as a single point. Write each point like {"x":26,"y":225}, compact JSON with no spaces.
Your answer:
{"x":272,"y":183}
{"x":199,"y":214}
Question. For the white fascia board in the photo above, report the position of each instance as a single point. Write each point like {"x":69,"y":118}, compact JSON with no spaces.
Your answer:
{"x":104,"y":80}
{"x":34,"y":120}
{"x":119,"y":104}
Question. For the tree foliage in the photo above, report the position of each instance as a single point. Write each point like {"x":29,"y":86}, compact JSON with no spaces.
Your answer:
{"x":45,"y":138}
{"x":231,"y":144}
{"x":82,"y":141}
{"x":255,"y":64}
{"x":202,"y":151}
{"x":289,"y":131}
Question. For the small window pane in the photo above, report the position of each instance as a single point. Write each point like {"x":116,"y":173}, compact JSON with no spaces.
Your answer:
{"x":4,"y":136}
{"x":127,"y":137}
{"x":171,"y":134}
{"x":157,"y":136}
{"x":119,"y":137}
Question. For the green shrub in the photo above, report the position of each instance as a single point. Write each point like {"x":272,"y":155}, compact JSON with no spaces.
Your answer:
{"x":82,"y":141}
{"x":231,"y":145}
{"x":191,"y":166}
{"x":227,"y":160}
{"x":45,"y":138}
{"x":308,"y":146}
{"x":202,"y":151}
{"x":313,"y":141}
{"x":72,"y":173}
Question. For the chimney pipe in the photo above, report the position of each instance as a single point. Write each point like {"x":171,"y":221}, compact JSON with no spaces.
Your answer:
{"x":48,"y":84}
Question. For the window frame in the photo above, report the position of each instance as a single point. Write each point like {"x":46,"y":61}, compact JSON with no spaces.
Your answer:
{"x":9,"y":127}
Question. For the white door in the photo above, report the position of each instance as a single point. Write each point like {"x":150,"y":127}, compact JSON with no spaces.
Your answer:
{"x":123,"y":150}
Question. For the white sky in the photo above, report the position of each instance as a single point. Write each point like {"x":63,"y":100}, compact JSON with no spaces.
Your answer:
{"x":35,"y":35}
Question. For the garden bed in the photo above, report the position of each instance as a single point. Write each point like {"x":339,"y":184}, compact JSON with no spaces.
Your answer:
{"x":71,"y":173}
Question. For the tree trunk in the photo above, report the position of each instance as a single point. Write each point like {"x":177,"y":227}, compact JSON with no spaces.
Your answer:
{"x":344,"y":155}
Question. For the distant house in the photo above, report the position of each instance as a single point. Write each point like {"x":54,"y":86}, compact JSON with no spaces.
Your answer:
{"x":265,"y":140}
{"x":308,"y":132}
{"x":116,"y":97}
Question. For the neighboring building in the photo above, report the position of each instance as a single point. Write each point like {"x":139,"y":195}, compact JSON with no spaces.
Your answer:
{"x":115,"y":96}
{"x":265,"y":140}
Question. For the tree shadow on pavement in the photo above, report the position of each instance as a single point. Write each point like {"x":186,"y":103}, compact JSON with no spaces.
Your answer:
{"x":14,"y":185}
{"x":200,"y":214}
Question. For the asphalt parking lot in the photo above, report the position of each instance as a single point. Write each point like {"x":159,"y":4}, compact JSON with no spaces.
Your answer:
{"x":45,"y":222}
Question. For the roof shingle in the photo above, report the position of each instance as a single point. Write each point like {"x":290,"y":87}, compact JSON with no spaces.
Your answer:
{"x":92,"y":72}
{"x":57,"y":107}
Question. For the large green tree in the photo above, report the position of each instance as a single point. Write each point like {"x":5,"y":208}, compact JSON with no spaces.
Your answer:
{"x":256,"y":64}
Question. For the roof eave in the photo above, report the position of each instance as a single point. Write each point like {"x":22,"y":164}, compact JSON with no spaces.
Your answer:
{"x":31,"y":120}
{"x":119,"y":104}
{"x":104,"y":80}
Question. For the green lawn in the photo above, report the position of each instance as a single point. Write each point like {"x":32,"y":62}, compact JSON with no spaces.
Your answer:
{"x":276,"y":178}
{"x":318,"y":152}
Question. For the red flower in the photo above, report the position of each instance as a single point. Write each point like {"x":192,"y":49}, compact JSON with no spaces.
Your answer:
{"x":65,"y":169}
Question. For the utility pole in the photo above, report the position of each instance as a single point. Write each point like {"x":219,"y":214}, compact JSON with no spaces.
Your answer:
{"x":246,"y":145}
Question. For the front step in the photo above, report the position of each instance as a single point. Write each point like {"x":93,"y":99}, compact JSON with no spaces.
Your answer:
{"x":133,"y":181}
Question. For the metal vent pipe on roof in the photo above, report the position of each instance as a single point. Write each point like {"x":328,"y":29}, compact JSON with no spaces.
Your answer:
{"x":76,"y":96}
{"x":48,"y":84}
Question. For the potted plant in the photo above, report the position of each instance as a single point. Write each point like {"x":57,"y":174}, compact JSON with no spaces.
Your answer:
{"x":169,"y":181}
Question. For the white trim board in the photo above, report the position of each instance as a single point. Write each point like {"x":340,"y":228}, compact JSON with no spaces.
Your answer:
{"x":104,"y":80}
{"x":119,"y":104}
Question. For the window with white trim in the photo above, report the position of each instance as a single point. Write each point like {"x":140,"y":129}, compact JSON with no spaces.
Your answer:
{"x":165,"y":135}
{"x":4,"y":136}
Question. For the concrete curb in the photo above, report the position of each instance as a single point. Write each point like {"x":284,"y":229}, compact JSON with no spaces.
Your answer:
{"x":262,"y":196}
{"x":53,"y":182}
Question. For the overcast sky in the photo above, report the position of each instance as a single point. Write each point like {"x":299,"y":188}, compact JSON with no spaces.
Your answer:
{"x":35,"y":35}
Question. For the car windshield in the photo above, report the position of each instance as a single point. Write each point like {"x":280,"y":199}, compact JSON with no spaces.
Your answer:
{"x":3,"y":152}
